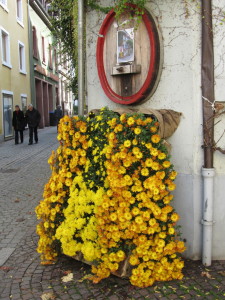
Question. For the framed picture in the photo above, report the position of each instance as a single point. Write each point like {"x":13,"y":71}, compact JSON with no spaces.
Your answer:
{"x":125,"y":45}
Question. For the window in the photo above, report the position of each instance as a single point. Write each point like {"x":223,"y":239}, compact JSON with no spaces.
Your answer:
{"x":65,"y":61}
{"x":5,"y":48}
{"x":7,"y":113}
{"x":3,"y":3}
{"x":43,"y":49}
{"x":19,"y":6}
{"x":35,"y":42}
{"x":50,"y":56}
{"x":56,"y":60}
{"x":22,"y":62}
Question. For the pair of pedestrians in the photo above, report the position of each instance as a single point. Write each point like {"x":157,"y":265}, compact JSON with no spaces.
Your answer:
{"x":32,"y":118}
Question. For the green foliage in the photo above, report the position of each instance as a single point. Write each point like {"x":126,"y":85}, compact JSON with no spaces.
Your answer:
{"x":95,"y":6}
{"x":64,"y":29}
{"x":75,"y":110}
{"x":136,"y":9}
{"x":65,"y":26}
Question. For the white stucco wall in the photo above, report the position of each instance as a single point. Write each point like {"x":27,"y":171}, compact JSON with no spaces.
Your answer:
{"x":179,"y":89}
{"x":219,"y":159}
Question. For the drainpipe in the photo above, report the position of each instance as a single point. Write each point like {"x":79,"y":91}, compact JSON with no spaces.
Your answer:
{"x":30,"y":57}
{"x":207,"y":222}
{"x":208,"y":171}
{"x":80,"y":57}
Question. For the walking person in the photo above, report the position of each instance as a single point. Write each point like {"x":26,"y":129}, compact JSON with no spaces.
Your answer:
{"x":58,"y":115}
{"x":18,"y":122}
{"x":33,"y":119}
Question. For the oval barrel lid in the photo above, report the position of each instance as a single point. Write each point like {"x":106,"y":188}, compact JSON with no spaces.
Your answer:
{"x":128,"y":58}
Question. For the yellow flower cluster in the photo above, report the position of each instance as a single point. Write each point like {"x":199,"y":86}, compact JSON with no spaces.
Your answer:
{"x":69,"y":159}
{"x":80,"y":221}
{"x":135,"y":210}
{"x":109,"y":198}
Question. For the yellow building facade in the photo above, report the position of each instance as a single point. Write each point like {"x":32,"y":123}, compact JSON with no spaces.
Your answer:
{"x":14,"y":62}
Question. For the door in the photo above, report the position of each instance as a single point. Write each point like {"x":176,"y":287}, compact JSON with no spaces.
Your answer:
{"x":7,"y":115}
{"x":57,"y":96}
{"x":39,"y":100}
{"x":50,"y":98}
{"x":45,"y":103}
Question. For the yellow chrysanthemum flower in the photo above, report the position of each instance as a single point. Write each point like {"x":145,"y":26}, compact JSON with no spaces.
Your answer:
{"x":128,"y":216}
{"x":139,"y":155}
{"x":127,"y":143}
{"x":121,"y":255}
{"x":130,"y":121}
{"x":113,"y":217}
{"x":135,"y":211}
{"x":133,"y":260}
{"x":134,"y":142}
{"x":153,"y":129}
{"x":152,"y":222}
{"x":171,"y":230}
{"x":166,"y":164}
{"x":139,"y":220}
{"x":137,"y":130}
{"x":162,"y":156}
{"x":172,"y":186}
{"x":144,"y":172}
{"x":174,"y":217}
{"x":155,"y":138}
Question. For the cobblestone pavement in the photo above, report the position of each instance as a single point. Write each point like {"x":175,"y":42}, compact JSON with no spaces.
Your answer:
{"x":23,"y":173}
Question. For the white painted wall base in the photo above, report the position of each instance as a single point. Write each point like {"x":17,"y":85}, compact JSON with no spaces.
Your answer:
{"x":218,"y":248}
{"x":188,"y":203}
{"x":1,"y":138}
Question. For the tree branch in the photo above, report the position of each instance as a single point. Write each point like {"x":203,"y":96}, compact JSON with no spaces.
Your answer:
{"x":220,"y":150}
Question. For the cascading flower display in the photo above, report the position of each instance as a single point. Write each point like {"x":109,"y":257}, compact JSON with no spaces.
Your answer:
{"x":109,"y":198}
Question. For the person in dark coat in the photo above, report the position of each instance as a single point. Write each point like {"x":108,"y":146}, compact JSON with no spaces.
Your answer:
{"x":18,"y":122}
{"x":33,"y":119}
{"x":58,"y":114}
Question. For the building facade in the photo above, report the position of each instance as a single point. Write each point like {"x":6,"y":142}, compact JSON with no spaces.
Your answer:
{"x":48,"y":81}
{"x":43,"y":65}
{"x":179,"y":89}
{"x":14,"y":62}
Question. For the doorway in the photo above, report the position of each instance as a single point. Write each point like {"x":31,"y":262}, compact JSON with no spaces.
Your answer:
{"x":7,"y":115}
{"x":50,"y":98}
{"x":45,"y":103}
{"x":39,"y":100}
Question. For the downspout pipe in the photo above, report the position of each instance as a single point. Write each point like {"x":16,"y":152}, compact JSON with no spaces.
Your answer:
{"x":207,"y":221}
{"x":80,"y":57}
{"x":208,"y":172}
{"x":30,"y":55}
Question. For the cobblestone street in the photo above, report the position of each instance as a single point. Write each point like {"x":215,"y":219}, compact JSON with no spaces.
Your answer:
{"x":23,"y":173}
